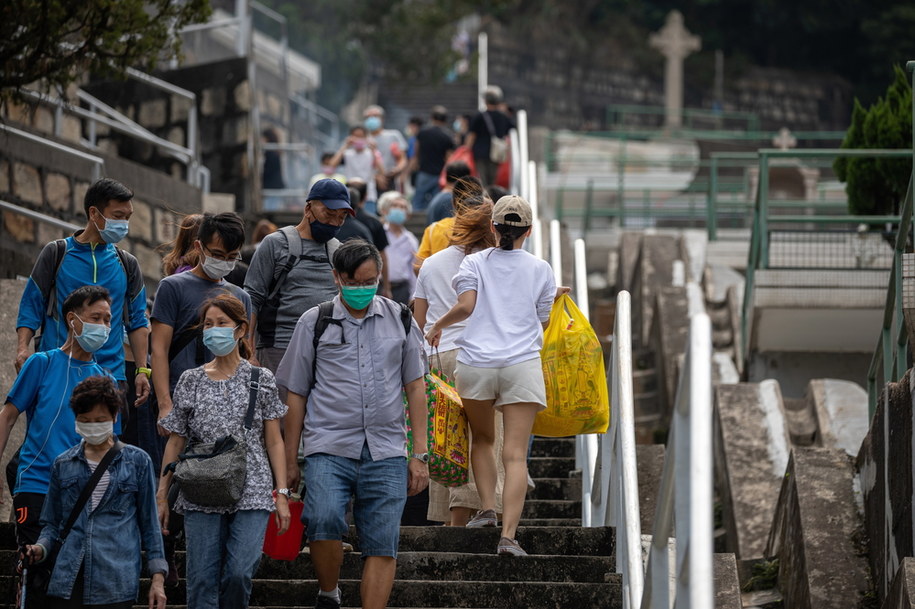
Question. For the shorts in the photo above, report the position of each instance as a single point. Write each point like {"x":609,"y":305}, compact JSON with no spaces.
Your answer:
{"x":518,"y":383}
{"x":380,"y":489}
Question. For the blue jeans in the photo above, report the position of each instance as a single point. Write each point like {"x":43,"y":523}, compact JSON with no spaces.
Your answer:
{"x":223,"y":551}
{"x":380,"y":488}
{"x":426,"y":187}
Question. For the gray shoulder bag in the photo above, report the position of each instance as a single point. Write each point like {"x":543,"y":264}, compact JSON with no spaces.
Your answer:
{"x":212,"y":474}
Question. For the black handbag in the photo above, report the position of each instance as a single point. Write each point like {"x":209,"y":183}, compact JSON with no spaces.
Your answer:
{"x":212,"y":474}
{"x":51,"y":553}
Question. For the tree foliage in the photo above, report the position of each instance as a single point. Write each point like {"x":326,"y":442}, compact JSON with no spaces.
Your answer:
{"x":878,"y":186}
{"x":57,"y":41}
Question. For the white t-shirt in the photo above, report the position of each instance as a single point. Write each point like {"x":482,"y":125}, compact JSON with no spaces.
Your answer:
{"x":434,"y":285}
{"x":361,"y":165}
{"x":515,"y":292}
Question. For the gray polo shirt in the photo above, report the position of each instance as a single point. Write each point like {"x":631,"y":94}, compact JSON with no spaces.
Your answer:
{"x":362,"y":366}
{"x":308,"y":284}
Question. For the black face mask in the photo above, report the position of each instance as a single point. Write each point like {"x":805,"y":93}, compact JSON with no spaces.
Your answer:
{"x":321,"y":232}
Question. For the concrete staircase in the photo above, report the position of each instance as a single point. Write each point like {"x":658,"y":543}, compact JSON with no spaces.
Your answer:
{"x":457,"y":567}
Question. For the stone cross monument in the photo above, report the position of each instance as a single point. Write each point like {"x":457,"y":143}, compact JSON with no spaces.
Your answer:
{"x":784,"y":140}
{"x":674,"y":42}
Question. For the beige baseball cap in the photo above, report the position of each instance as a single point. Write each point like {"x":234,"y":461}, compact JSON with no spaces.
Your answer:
{"x":512,"y":210}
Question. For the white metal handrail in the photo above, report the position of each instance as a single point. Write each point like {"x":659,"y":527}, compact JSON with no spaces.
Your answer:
{"x":34,"y":215}
{"x":684,"y":505}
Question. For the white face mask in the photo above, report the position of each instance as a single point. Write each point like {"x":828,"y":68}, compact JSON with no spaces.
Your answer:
{"x":217,"y":269}
{"x":95,"y":433}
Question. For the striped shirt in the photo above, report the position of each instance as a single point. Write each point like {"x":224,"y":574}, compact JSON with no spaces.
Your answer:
{"x":99,"y":491}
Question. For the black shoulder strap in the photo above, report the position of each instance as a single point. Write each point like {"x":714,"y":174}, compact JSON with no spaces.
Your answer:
{"x":406,"y":317}
{"x":87,"y":490}
{"x":489,"y":124}
{"x":51,"y":297}
{"x":253,"y":389}
{"x":325,"y":318}
{"x":134,"y":280}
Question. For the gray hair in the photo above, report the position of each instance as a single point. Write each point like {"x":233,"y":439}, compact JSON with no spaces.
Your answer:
{"x":492,"y":95}
{"x":387,"y":199}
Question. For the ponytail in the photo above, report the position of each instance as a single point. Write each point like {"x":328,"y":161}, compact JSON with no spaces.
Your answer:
{"x":509,"y":234}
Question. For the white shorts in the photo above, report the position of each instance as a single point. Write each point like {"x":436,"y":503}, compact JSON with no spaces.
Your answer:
{"x":519,"y":383}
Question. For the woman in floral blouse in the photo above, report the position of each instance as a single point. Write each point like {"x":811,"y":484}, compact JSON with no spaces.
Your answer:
{"x":210,"y":402}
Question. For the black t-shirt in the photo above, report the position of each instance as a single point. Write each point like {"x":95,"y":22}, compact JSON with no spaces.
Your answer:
{"x":379,"y":237}
{"x":501,"y":125}
{"x":434,"y":144}
{"x":352,"y":229}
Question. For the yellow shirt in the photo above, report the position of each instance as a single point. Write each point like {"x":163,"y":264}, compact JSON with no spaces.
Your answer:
{"x":436,"y":237}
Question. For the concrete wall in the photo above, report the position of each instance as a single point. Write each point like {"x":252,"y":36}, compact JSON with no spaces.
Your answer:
{"x":54,"y":183}
{"x":794,"y":370}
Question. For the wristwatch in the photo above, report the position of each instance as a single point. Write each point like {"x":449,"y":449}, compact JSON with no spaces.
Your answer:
{"x":283,"y":491}
{"x":145,"y":371}
{"x":424,"y":457}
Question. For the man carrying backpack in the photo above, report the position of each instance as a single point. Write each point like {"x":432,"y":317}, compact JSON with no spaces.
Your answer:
{"x":290,"y":271}
{"x":349,"y":361}
{"x":90,"y":257}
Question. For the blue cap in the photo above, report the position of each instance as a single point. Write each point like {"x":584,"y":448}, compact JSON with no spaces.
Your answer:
{"x":332,"y":194}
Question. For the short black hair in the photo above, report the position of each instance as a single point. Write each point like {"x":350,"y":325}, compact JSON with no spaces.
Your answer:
{"x":360,"y":186}
{"x":355,"y":199}
{"x":95,"y":391}
{"x":496,"y":192}
{"x":229,"y":227}
{"x":84,"y":297}
{"x":416,"y":120}
{"x":326,"y":157}
{"x":456,"y":170}
{"x":103,"y":192}
{"x":439,"y":113}
{"x":352,"y":254}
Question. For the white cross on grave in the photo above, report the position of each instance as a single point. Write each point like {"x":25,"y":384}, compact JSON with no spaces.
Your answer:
{"x":784,"y":140}
{"x":674,"y":42}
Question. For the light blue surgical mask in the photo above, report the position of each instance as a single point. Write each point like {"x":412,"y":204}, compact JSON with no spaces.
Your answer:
{"x":373,"y":123}
{"x":114,"y":230}
{"x":397,"y":216}
{"x":220,"y":340}
{"x":456,"y":125}
{"x":93,"y":336}
{"x":358,"y":297}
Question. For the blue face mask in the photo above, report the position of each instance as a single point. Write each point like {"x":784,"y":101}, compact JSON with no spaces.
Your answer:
{"x":397,"y":216}
{"x":93,"y":336}
{"x":114,"y":230}
{"x":456,"y":125}
{"x":358,"y":297}
{"x":221,"y":341}
{"x":373,"y":123}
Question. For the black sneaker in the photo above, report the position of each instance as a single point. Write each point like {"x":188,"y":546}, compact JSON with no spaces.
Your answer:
{"x":171,"y":579}
{"x":326,"y":602}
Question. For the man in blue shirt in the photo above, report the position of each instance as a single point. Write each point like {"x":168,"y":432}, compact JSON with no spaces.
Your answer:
{"x":90,"y":257}
{"x":42,"y":391}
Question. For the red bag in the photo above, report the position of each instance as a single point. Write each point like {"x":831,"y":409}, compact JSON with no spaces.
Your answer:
{"x":287,"y":545}
{"x":461,"y":153}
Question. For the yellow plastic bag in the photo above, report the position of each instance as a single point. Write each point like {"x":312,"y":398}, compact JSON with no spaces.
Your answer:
{"x":573,"y":368}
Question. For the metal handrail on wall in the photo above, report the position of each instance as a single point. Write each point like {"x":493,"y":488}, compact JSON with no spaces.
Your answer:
{"x":891,"y":354}
{"x":98,"y":163}
{"x":758,"y":255}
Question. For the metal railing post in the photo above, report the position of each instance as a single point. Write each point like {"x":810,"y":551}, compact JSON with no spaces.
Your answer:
{"x":763,"y":221}
{"x":589,"y":205}
{"x":711,"y":209}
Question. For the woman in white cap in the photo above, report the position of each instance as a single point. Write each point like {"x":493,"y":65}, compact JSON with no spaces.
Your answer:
{"x":505,"y":294}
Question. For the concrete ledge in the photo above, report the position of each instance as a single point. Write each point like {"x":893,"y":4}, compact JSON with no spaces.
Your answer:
{"x":813,"y":532}
{"x":902,"y":594}
{"x":727,"y":583}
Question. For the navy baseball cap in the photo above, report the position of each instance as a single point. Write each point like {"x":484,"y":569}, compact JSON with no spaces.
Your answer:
{"x":332,"y":194}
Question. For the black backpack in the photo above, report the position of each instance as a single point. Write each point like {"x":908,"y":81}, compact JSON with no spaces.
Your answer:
{"x":325,"y":318}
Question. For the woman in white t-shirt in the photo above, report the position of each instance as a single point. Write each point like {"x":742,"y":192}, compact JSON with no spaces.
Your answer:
{"x":433,"y":298}
{"x":360,"y":159}
{"x":505,"y":294}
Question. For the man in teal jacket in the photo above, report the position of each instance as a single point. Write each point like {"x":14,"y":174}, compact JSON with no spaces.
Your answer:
{"x":89,"y":257}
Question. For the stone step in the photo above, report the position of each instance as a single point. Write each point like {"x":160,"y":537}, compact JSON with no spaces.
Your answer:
{"x":550,"y":467}
{"x":550,"y":522}
{"x":457,"y":594}
{"x":553,"y":447}
{"x":551,"y":508}
{"x":556,"y":488}
{"x":567,"y":541}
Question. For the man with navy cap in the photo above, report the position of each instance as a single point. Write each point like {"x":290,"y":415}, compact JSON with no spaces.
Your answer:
{"x":291,"y":270}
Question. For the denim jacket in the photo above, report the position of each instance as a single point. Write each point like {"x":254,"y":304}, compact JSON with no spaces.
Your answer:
{"x":107,"y":540}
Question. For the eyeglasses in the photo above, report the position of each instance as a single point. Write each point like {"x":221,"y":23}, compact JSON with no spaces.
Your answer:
{"x":362,"y":284}
{"x":223,"y":257}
